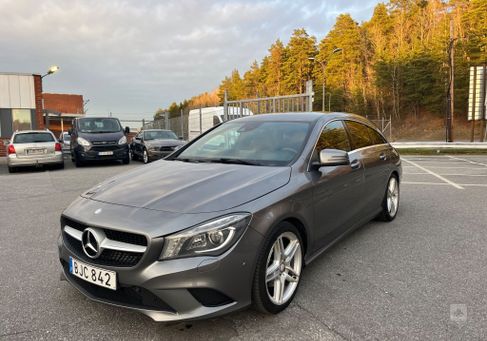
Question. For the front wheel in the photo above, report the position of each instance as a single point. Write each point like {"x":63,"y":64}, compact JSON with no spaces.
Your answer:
{"x":390,"y":203}
{"x":126,"y":160}
{"x":278,"y":270}
{"x":145,"y":156}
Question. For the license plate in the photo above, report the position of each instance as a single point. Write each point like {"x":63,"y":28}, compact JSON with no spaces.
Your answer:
{"x":35,"y":151}
{"x":101,"y":277}
{"x":105,"y":153}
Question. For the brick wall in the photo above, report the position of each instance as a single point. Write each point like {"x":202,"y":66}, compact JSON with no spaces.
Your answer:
{"x":3,"y":148}
{"x":63,"y":103}
{"x":38,"y":99}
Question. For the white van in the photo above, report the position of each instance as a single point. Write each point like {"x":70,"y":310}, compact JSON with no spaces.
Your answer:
{"x":210,"y":117}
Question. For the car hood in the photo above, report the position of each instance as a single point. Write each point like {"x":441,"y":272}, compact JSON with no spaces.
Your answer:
{"x":164,"y":143}
{"x":175,"y":186}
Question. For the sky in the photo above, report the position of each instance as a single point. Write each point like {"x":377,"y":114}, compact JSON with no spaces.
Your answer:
{"x":133,"y":57}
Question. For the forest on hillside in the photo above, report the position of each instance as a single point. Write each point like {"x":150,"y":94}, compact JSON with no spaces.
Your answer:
{"x":395,"y":64}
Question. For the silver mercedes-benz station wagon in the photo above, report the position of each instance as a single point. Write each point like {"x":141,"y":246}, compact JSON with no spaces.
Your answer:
{"x":231,"y":218}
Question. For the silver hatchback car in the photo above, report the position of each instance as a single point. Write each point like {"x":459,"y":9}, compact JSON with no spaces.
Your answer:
{"x":231,"y":218}
{"x":34,"y":148}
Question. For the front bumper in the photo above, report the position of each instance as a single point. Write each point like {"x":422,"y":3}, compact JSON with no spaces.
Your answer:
{"x":14,"y":161}
{"x":179,"y":289}
{"x":120,"y":152}
{"x":157,"y":154}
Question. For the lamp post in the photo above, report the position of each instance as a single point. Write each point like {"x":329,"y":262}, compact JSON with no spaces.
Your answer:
{"x":323,"y":66}
{"x":50,"y":71}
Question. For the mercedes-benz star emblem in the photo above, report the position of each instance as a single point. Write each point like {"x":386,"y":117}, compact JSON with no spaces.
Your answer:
{"x":90,"y":241}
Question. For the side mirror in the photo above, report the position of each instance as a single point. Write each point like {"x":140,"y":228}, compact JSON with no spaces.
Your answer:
{"x":127,"y":130}
{"x":333,"y":157}
{"x":181,"y":137}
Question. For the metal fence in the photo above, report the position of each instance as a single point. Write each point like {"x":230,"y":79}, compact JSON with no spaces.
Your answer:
{"x":384,"y":124}
{"x":266,"y":105}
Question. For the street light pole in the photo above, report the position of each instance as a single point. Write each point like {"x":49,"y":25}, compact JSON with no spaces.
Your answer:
{"x":323,"y":66}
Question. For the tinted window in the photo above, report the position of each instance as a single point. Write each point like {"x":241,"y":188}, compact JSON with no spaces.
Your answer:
{"x":359,"y":135}
{"x":333,"y":136}
{"x":375,"y":137}
{"x":33,"y":138}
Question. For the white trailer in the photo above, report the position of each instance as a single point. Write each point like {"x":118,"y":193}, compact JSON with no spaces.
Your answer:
{"x":210,"y":117}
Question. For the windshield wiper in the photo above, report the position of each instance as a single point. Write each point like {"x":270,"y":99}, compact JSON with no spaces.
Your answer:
{"x":235,"y":161}
{"x":186,"y":159}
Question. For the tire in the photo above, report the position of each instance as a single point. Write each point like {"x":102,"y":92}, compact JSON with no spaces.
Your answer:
{"x":126,"y":160}
{"x":11,"y":170}
{"x":77,"y":161}
{"x":145,"y":156}
{"x":390,"y":203}
{"x":133,"y":156}
{"x":285,"y":273}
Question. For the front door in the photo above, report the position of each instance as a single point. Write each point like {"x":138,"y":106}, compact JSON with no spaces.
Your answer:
{"x":337,"y":189}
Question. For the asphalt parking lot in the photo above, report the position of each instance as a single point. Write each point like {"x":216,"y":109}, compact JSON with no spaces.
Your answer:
{"x":420,"y":277}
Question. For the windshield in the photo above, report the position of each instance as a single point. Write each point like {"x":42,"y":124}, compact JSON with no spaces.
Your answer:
{"x":159,"y":135}
{"x":33,"y":138}
{"x":99,"y":125}
{"x":266,"y":143}
{"x":66,"y":137}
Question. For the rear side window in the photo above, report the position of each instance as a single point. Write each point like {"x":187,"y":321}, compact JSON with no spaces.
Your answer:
{"x":333,"y":136}
{"x":33,"y":138}
{"x":375,"y":137}
{"x":359,"y":135}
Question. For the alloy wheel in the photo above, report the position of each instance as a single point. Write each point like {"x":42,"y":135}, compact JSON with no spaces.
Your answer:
{"x":145,"y":156}
{"x":284,"y":264}
{"x":392,"y":196}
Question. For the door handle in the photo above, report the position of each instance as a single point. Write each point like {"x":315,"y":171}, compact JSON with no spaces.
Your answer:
{"x":383,"y":156}
{"x":355,"y":164}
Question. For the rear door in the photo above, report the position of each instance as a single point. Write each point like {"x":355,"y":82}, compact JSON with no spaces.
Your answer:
{"x":372,"y":149}
{"x":337,"y":189}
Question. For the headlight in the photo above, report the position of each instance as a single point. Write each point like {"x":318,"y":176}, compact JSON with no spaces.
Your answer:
{"x":83,"y":142}
{"x":122,"y":140}
{"x":153,"y":148}
{"x":211,"y":238}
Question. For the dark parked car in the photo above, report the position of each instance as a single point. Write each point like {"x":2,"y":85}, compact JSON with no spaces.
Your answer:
{"x":231,"y":218}
{"x":153,"y":144}
{"x":98,"y":138}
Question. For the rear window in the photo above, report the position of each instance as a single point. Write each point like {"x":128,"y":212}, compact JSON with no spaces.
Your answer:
{"x":33,"y":138}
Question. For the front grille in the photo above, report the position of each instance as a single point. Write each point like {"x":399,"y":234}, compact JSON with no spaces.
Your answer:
{"x":167,"y":149}
{"x":104,"y":148}
{"x":135,"y":297}
{"x":107,"y":257}
{"x":97,"y":143}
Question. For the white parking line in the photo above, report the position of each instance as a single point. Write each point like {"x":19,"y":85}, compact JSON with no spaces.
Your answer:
{"x":424,"y":183}
{"x":469,"y":161}
{"x":439,"y":184}
{"x":434,"y":174}
{"x":458,"y":174}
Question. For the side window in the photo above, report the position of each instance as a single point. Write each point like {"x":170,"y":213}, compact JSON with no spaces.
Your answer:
{"x":376,"y":137}
{"x":333,"y":136}
{"x":359,"y":135}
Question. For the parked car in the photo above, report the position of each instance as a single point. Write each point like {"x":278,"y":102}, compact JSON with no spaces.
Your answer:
{"x":98,"y":138}
{"x":154,"y":144}
{"x":210,"y":117}
{"x":231,"y":218}
{"x":34,"y":148}
{"x":65,"y":140}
